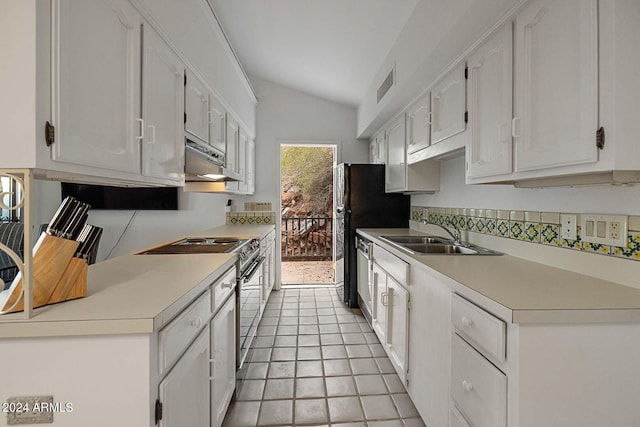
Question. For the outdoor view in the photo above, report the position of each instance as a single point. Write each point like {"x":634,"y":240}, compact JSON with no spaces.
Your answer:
{"x":307,"y":209}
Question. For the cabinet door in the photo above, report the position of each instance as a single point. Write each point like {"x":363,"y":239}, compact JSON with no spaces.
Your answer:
{"x":397,"y":326}
{"x":231,"y":143}
{"x":96,"y":92}
{"x":489,"y":151}
{"x":556,"y":84}
{"x":218,"y":124}
{"x":162,"y":109}
{"x":184,"y":392}
{"x":243,"y":140}
{"x":448,"y":105}
{"x":381,"y":145}
{"x":418,"y":127}
{"x":250,"y":171}
{"x":396,"y":168}
{"x":223,"y":360}
{"x":379,"y":303}
{"x":196,"y":107}
{"x":373,"y":150}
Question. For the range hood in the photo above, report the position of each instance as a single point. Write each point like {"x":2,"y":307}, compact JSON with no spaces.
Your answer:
{"x":204,"y":163}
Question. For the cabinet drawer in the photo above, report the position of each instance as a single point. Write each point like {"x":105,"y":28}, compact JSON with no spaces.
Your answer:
{"x":456,"y":419}
{"x":482,"y":328}
{"x":397,"y":268}
{"x":478,"y":388}
{"x":175,"y":337}
{"x":222,"y":288}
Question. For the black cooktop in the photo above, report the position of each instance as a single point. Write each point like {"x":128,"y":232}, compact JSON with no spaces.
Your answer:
{"x":199,"y":245}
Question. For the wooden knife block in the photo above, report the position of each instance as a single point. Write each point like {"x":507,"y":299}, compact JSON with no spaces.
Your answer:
{"x":57,"y":275}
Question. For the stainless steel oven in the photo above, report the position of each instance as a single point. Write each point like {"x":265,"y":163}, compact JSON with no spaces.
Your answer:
{"x":248,"y":308}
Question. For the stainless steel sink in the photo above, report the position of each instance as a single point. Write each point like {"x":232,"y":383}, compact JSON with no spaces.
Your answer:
{"x":432,"y":245}
{"x":403,"y":240}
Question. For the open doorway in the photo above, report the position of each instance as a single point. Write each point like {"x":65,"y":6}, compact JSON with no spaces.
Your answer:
{"x":306,"y":200}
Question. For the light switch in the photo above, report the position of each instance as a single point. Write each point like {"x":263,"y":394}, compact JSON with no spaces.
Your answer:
{"x":602,"y":229}
{"x":589,"y":228}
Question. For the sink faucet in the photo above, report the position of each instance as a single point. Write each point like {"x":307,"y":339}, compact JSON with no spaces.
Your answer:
{"x":456,"y":235}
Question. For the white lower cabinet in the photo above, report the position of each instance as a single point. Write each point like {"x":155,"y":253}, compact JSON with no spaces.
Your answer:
{"x":478,"y":388}
{"x":184,"y":392}
{"x":468,"y":364}
{"x":197,"y":389}
{"x":379,"y":315}
{"x":223,"y":360}
{"x":430,"y":346}
{"x":397,"y":326}
{"x":391,"y":308}
{"x":456,"y":419}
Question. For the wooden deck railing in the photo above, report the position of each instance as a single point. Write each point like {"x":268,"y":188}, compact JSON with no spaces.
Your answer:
{"x":306,"y":237}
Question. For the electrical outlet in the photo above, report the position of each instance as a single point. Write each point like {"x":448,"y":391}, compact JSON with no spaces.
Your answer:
{"x":568,"y":226}
{"x":605,"y":229}
{"x":614,"y":230}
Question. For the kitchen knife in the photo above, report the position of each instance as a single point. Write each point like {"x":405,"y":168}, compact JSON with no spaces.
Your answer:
{"x":56,"y":221}
{"x":76,"y":219}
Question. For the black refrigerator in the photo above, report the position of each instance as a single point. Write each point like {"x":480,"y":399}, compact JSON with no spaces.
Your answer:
{"x":361,"y":202}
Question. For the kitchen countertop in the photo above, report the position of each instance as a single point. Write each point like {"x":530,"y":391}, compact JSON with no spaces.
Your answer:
{"x":132,"y":294}
{"x":533,"y":292}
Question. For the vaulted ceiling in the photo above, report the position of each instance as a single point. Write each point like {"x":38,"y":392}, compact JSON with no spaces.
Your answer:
{"x":328,"y":48}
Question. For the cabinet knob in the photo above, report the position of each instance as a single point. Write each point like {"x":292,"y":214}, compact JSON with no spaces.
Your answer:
{"x":196,"y":323}
{"x":467,"y":386}
{"x":466,"y":322}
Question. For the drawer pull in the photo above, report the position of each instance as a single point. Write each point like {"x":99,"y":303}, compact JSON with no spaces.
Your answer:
{"x":196,"y":323}
{"x":467,"y":322}
{"x":227,"y":285}
{"x":467,"y":386}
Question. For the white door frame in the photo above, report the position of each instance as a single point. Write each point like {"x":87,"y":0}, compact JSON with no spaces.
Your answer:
{"x":337,"y":151}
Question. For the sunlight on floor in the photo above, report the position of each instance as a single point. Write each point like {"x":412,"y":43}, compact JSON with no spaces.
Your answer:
{"x":307,"y":272}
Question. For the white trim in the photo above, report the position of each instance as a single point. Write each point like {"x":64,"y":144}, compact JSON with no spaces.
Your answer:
{"x":337,"y":148}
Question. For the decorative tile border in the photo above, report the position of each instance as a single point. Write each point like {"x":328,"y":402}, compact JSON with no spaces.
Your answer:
{"x":528,"y":226}
{"x":251,"y":218}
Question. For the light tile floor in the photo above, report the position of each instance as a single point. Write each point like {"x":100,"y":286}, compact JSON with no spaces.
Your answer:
{"x":315,"y":362}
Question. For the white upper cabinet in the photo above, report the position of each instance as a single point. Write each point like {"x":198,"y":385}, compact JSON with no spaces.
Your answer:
{"x":162,"y":109}
{"x":418,"y":126}
{"x":250,"y":172}
{"x":556,"y":84}
{"x":378,"y":148}
{"x":232,"y":142}
{"x":217,"y":124}
{"x":196,"y":107}
{"x":396,"y":155}
{"x":422,"y":177}
{"x":489,"y":149}
{"x":96,"y":92}
{"x":448,"y":105}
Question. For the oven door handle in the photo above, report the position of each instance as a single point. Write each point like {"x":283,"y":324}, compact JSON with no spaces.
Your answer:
{"x":254,"y":267}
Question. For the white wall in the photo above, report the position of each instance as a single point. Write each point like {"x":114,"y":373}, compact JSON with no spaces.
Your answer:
{"x":289,"y":116}
{"x":599,"y":199}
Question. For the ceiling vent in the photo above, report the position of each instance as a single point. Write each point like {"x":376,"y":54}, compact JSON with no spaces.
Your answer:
{"x":386,"y":85}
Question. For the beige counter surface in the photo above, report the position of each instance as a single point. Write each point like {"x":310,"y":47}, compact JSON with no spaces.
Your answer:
{"x":133,"y":293}
{"x":533,"y":292}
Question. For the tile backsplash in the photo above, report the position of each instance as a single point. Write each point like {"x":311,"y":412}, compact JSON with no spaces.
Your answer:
{"x":251,"y":218}
{"x":529,"y":226}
